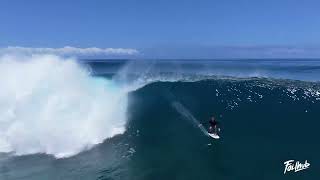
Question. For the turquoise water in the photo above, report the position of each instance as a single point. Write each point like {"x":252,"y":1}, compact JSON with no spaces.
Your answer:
{"x":266,"y":119}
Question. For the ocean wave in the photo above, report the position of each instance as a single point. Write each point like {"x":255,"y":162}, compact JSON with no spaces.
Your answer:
{"x":54,"y":105}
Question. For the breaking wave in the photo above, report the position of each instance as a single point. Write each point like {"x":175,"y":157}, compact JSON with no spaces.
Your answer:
{"x":52,"y":105}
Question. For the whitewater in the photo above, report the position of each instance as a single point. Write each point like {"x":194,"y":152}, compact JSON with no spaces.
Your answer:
{"x":52,"y":105}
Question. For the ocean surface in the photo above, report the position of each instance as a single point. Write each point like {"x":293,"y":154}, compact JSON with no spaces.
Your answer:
{"x":139,"y":119}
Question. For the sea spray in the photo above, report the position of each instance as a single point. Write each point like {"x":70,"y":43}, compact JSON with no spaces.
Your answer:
{"x":186,"y":114}
{"x":52,"y":105}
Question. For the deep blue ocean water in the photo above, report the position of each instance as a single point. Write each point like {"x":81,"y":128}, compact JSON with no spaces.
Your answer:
{"x":269,"y":112}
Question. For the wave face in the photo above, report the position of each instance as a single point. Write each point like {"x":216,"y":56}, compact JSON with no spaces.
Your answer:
{"x":263,"y":121}
{"x":52,"y":105}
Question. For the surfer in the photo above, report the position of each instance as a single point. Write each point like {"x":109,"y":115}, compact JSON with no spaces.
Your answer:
{"x":213,"y":128}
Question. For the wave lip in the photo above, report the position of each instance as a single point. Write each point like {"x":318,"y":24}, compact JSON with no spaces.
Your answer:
{"x":52,"y":105}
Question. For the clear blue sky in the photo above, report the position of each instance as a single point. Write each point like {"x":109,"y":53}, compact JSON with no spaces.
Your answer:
{"x":164,"y":28}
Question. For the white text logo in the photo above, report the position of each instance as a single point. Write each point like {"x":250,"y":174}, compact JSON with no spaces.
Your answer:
{"x":297,"y":166}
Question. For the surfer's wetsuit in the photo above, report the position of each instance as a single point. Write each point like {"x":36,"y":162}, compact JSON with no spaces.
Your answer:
{"x":213,"y":126}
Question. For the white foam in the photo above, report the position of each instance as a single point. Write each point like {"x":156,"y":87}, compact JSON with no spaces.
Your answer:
{"x":52,"y":105}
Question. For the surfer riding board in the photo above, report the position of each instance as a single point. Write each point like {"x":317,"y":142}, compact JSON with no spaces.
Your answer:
{"x":213,"y":128}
